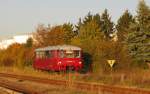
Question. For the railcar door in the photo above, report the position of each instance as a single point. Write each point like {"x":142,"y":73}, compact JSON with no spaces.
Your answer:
{"x":51,"y":59}
{"x":48,"y":61}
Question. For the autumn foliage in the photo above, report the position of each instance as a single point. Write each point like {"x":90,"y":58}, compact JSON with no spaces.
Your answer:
{"x":99,"y":38}
{"x":18,"y":55}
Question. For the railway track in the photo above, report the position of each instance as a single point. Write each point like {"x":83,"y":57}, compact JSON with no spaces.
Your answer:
{"x":19,"y":88}
{"x":81,"y":85}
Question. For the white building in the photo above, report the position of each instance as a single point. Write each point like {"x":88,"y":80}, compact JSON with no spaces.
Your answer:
{"x":16,"y":39}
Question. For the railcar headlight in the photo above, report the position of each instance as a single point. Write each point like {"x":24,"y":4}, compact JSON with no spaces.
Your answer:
{"x":80,"y":62}
{"x":59,"y":62}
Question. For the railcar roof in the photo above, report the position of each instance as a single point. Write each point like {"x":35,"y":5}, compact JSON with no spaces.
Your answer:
{"x":59,"y":47}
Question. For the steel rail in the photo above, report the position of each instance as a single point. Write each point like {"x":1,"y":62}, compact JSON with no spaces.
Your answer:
{"x":81,"y":85}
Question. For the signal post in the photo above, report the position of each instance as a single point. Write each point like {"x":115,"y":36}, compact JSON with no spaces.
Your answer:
{"x":111,"y":64}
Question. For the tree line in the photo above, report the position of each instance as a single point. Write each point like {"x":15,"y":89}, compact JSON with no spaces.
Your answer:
{"x":127,"y":41}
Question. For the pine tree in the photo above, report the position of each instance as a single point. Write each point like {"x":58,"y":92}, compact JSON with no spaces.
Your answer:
{"x":139,"y":37}
{"x":89,"y":28}
{"x":106,"y":24}
{"x":123,"y":25}
{"x":68,"y":32}
{"x":143,"y":14}
{"x":29,"y":42}
{"x":89,"y":37}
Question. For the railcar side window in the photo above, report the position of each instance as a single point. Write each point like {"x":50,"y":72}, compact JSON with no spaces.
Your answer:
{"x":37,"y":54}
{"x":77,"y":54}
{"x":40,"y":54}
{"x":48,"y":54}
{"x":61,"y":54}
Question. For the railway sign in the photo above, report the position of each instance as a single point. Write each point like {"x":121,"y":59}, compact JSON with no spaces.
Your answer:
{"x":111,"y":62}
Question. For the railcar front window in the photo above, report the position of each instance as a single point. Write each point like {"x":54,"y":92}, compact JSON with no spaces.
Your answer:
{"x":69,"y":54}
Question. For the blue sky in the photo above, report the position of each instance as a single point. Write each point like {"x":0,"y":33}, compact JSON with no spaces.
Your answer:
{"x":22,"y":16}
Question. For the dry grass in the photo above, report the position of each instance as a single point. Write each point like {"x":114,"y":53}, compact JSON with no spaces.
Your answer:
{"x":31,"y":72}
{"x":136,"y":78}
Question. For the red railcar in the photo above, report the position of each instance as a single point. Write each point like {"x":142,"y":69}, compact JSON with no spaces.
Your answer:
{"x":57,"y":58}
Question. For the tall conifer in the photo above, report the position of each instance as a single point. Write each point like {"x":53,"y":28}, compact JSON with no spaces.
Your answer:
{"x":139,"y":37}
{"x":123,"y":25}
{"x":106,"y":24}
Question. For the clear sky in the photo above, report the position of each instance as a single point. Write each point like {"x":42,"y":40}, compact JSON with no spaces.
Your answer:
{"x":22,"y":16}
